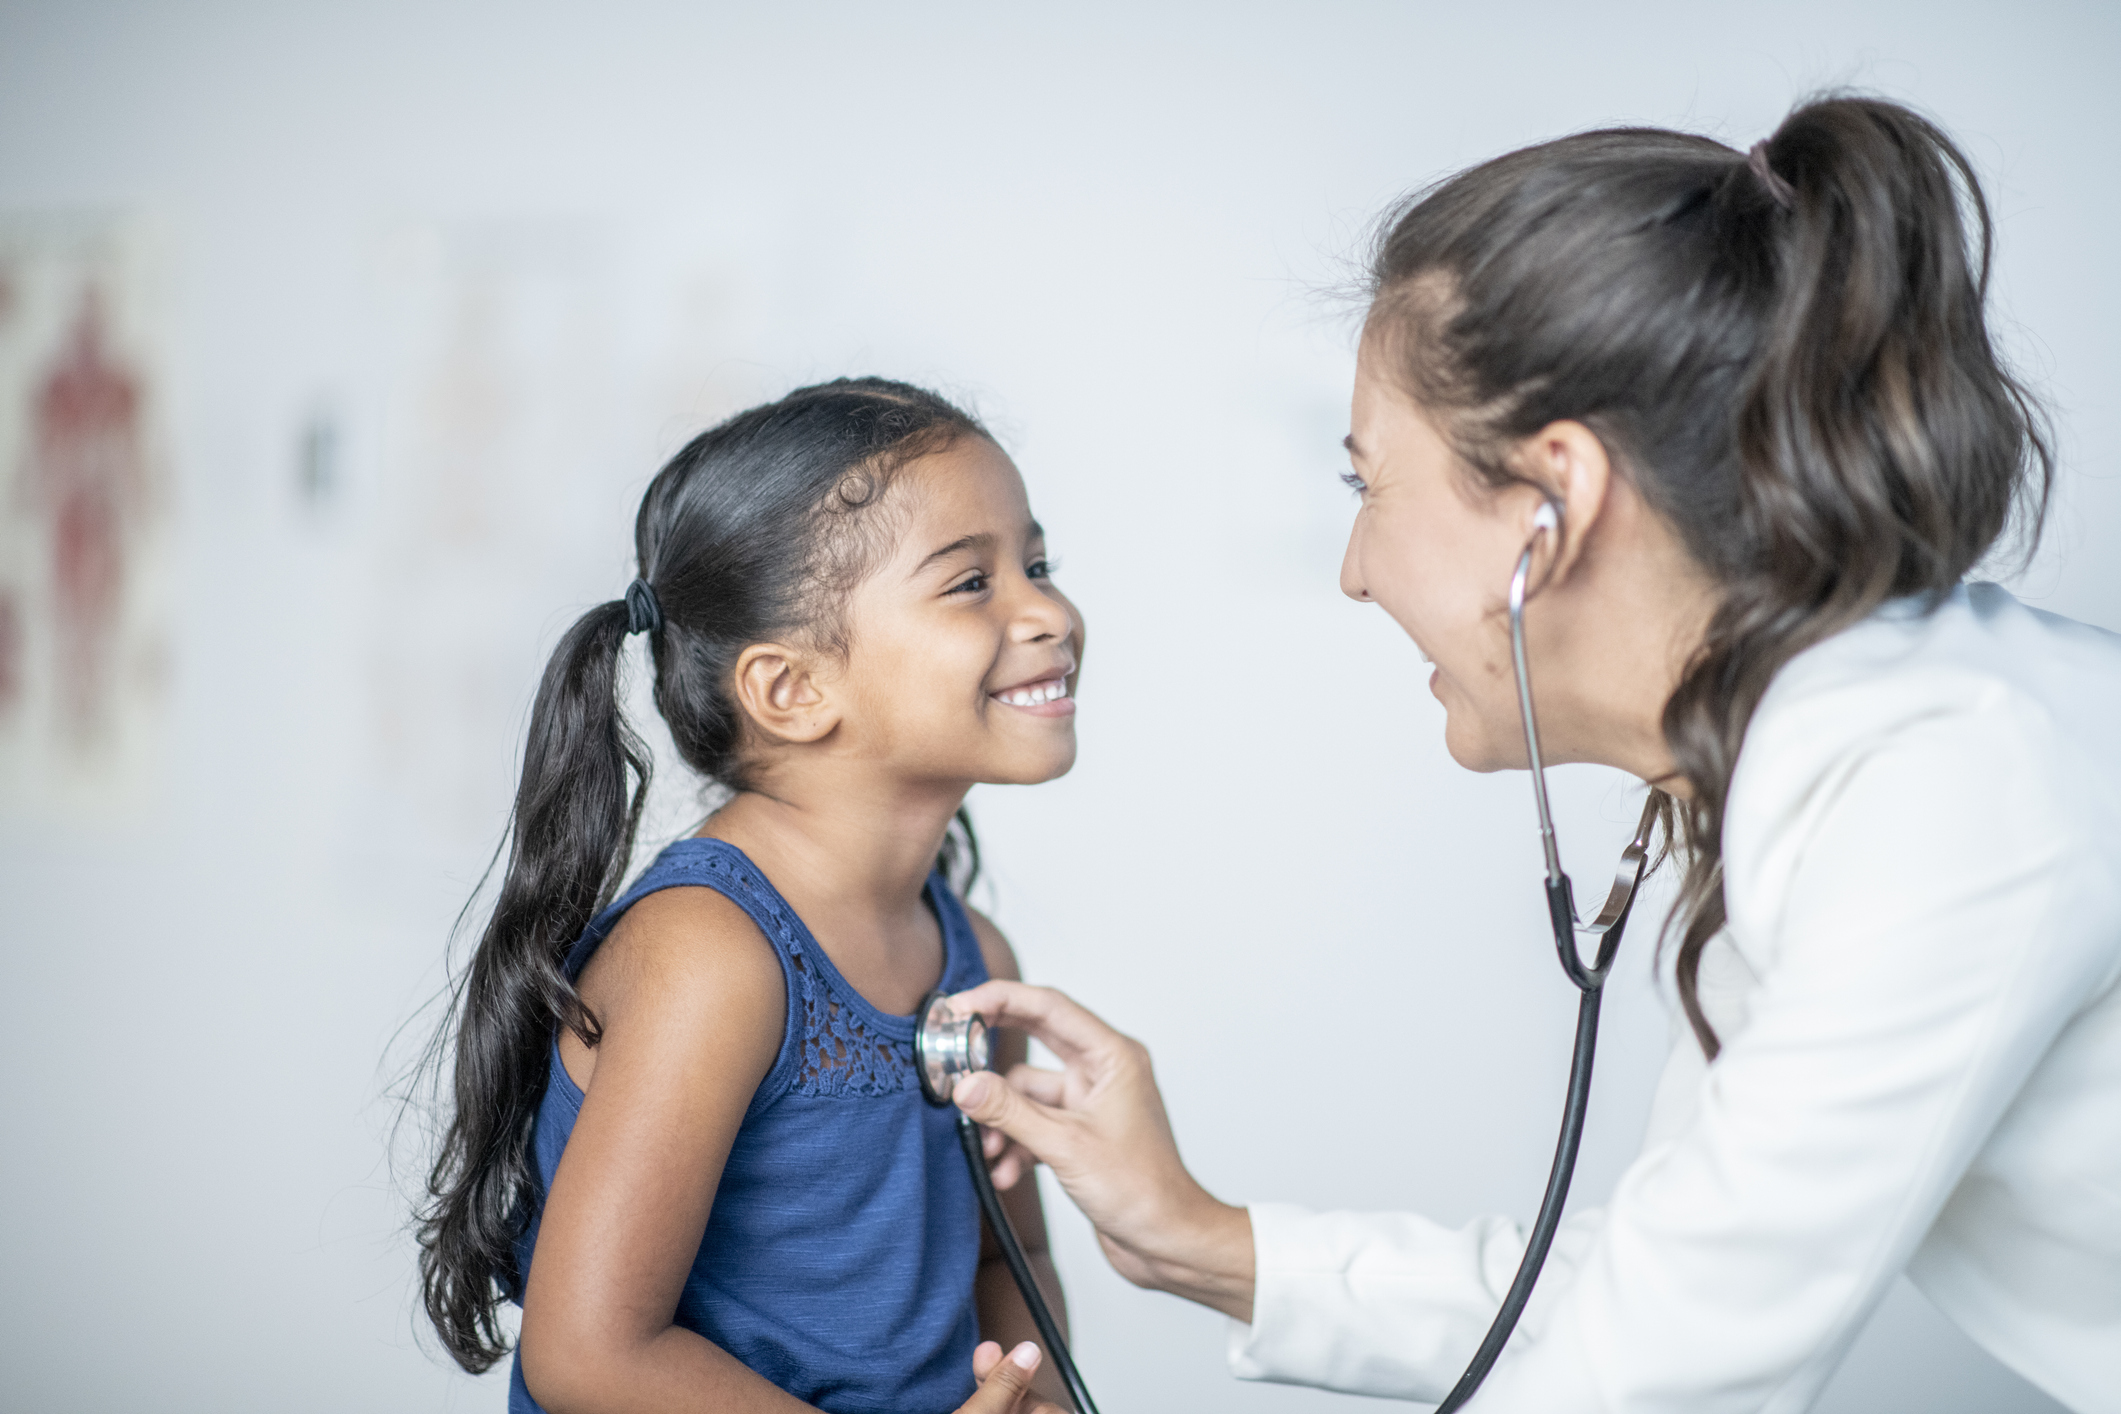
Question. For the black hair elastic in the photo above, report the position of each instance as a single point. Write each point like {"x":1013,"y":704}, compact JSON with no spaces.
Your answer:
{"x":643,"y":614}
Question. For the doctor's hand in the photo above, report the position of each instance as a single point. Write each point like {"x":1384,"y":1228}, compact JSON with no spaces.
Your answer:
{"x":1099,"y":1124}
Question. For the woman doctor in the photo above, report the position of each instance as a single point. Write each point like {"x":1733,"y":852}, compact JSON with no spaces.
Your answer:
{"x":1760,"y":395}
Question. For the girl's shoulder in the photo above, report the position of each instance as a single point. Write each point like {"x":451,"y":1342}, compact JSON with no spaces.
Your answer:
{"x":682,"y":957}
{"x":994,"y":948}
{"x":684,"y":934}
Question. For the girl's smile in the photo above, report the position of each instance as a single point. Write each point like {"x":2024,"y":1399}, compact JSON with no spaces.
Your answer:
{"x":1047,"y":697}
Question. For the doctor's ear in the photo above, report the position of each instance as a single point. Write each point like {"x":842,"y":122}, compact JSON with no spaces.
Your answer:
{"x":1570,"y":468}
{"x":785,"y":694}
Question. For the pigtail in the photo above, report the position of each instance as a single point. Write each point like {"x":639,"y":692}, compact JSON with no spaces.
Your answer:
{"x":1882,"y":446}
{"x":577,"y":807}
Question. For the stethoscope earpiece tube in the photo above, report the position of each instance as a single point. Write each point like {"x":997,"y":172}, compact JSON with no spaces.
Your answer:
{"x":1607,"y":928}
{"x":947,"y":1047}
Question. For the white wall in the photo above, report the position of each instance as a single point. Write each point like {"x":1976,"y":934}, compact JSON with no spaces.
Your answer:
{"x":513,"y":254}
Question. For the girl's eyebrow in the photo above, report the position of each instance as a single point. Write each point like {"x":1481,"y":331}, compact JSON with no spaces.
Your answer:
{"x":979,"y":541}
{"x":963,"y":542}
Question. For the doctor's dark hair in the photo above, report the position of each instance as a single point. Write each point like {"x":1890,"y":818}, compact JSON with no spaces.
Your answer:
{"x":755,"y":532}
{"x":1786,"y":354}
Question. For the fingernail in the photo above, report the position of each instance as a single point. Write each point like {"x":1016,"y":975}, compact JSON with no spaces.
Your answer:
{"x":1025,"y":1355}
{"x":971,"y":1090}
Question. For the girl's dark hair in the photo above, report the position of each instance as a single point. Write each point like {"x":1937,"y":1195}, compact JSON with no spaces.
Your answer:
{"x":755,"y":531}
{"x":1786,"y":355}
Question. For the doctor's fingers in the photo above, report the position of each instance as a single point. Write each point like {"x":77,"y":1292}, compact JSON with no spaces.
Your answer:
{"x":1007,"y":1160}
{"x":1048,"y":1087}
{"x":995,"y":1103}
{"x":1011,"y":1166}
{"x":1068,"y":1029}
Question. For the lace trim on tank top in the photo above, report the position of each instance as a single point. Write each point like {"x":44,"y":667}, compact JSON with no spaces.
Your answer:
{"x":838,"y":1052}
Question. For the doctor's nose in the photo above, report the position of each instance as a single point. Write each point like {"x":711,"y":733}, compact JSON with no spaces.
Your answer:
{"x":1351,"y":583}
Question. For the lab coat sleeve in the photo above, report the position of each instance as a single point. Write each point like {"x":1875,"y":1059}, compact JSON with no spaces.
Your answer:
{"x":1384,"y":1304}
{"x":1923,"y":921}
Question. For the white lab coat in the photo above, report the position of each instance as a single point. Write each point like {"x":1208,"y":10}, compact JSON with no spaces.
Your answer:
{"x":1917,"y":999}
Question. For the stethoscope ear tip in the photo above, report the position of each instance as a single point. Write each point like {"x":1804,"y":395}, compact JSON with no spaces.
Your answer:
{"x":1547,"y":517}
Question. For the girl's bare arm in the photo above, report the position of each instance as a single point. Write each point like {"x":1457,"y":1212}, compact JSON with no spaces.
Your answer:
{"x":693,"y":1005}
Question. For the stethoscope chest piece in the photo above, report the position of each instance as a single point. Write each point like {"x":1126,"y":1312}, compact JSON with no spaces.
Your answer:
{"x":947,"y":1047}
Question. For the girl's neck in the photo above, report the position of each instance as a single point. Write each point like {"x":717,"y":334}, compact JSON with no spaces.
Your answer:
{"x":852,"y":858}
{"x":873,"y":846}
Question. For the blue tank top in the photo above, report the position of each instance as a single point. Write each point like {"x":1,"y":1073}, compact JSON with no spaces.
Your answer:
{"x":839,"y":1257}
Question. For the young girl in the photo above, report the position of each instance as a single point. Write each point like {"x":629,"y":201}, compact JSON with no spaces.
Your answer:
{"x":688,"y":1135}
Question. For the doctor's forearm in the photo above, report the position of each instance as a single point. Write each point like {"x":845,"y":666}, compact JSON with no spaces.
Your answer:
{"x":1205,"y":1256}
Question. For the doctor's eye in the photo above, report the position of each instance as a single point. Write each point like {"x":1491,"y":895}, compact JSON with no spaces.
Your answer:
{"x":1353,"y":482}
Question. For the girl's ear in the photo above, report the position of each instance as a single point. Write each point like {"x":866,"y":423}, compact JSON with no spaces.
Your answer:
{"x":1571,"y":465}
{"x":780,"y":690}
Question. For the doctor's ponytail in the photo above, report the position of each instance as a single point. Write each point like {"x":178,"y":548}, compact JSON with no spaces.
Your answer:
{"x":1785,"y":351}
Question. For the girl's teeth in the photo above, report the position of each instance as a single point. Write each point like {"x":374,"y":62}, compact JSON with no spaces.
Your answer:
{"x":1035,"y":696}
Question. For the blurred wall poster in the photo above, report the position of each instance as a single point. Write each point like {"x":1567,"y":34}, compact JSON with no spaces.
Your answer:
{"x":84,"y":516}
{"x":535,"y":374}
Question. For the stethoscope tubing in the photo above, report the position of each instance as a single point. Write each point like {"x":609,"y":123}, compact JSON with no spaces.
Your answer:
{"x":1611,"y":923}
{"x":1574,"y":1111}
{"x":990,"y":1203}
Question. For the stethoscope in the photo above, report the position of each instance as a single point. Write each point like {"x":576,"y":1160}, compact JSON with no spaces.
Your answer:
{"x":947,"y":1046}
{"x":1611,"y":922}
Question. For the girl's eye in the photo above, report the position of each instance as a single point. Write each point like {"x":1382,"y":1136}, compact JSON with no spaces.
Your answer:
{"x":1353,"y":482}
{"x":1042,"y":569}
{"x":973,"y":585}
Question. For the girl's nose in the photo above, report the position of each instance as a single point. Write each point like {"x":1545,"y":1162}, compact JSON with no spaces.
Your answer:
{"x":1039,"y":616}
